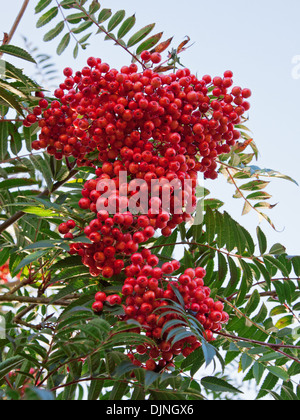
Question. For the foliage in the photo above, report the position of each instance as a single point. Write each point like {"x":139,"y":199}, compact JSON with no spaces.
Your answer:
{"x":55,"y":346}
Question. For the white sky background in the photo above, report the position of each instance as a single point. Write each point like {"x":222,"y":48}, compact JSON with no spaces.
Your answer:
{"x":257,"y":40}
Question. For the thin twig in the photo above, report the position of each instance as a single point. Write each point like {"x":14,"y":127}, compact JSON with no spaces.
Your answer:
{"x":109,"y":35}
{"x":34,"y":300}
{"x":275,"y":347}
{"x":16,"y":24}
{"x":252,"y":258}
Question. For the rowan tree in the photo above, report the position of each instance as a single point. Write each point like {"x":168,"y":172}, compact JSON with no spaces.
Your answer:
{"x":96,"y":304}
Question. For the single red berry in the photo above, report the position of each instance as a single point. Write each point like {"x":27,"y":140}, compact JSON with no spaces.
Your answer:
{"x":155,"y":58}
{"x":146,"y":56}
{"x":150,"y":365}
{"x":97,"y":307}
{"x":63,"y":228}
{"x":84,"y":203}
{"x":100,"y":297}
{"x":71,"y":224}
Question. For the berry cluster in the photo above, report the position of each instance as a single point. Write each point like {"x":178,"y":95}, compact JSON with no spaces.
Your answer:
{"x":153,"y":127}
{"x":148,"y":291}
{"x":105,"y":110}
{"x":4,"y":273}
{"x":120,"y":232}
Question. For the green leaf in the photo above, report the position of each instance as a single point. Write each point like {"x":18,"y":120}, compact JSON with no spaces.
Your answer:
{"x":82,"y":27}
{"x":4,"y":255}
{"x":43,"y":166}
{"x":11,"y":100}
{"x":277,"y":249}
{"x":41,"y":244}
{"x":150,"y":377}
{"x":296,"y":265}
{"x":234,"y":275}
{"x":104,"y":15}
{"x":42,"y":4}
{"x":95,"y":390}
{"x":63,"y":44}
{"x":54,"y":32}
{"x":126,"y":26}
{"x":116,"y":20}
{"x":3,"y":140}
{"x":264,"y":272}
{"x":278,"y":264}
{"x":261,"y":195}
{"x":76,"y":17}
{"x":213,"y":203}
{"x":76,"y":51}
{"x":140,"y":35}
{"x":246,"y":361}
{"x":9,"y":365}
{"x":16,"y":52}
{"x":262,"y":240}
{"x":284,"y":322}
{"x":16,"y":183}
{"x":262,"y":314}
{"x":38,"y":211}
{"x":30,"y":259}
{"x":66,"y":4}
{"x":47,"y":17}
{"x":279,"y":372}
{"x":118,"y":391}
{"x":252,"y":303}
{"x":255,"y":185}
{"x":223,"y":268}
{"x":229,"y":228}
{"x":210,"y":225}
{"x":149,"y":43}
{"x":249,"y":241}
{"x":269,"y":383}
{"x":258,"y":371}
{"x":94,"y":7}
{"x":218,"y":385}
{"x":209,"y":352}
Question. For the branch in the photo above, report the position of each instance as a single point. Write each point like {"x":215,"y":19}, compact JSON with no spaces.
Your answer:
{"x":34,"y":300}
{"x":13,"y":219}
{"x":275,"y":347}
{"x":252,"y":258}
{"x":259,"y":343}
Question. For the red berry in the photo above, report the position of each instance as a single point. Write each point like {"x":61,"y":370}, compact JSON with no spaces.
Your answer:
{"x":97,"y":307}
{"x":84,"y":203}
{"x":150,"y":365}
{"x":155,"y":58}
{"x":63,"y":228}
{"x":146,"y":56}
{"x":100,"y":297}
{"x":71,"y":224}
